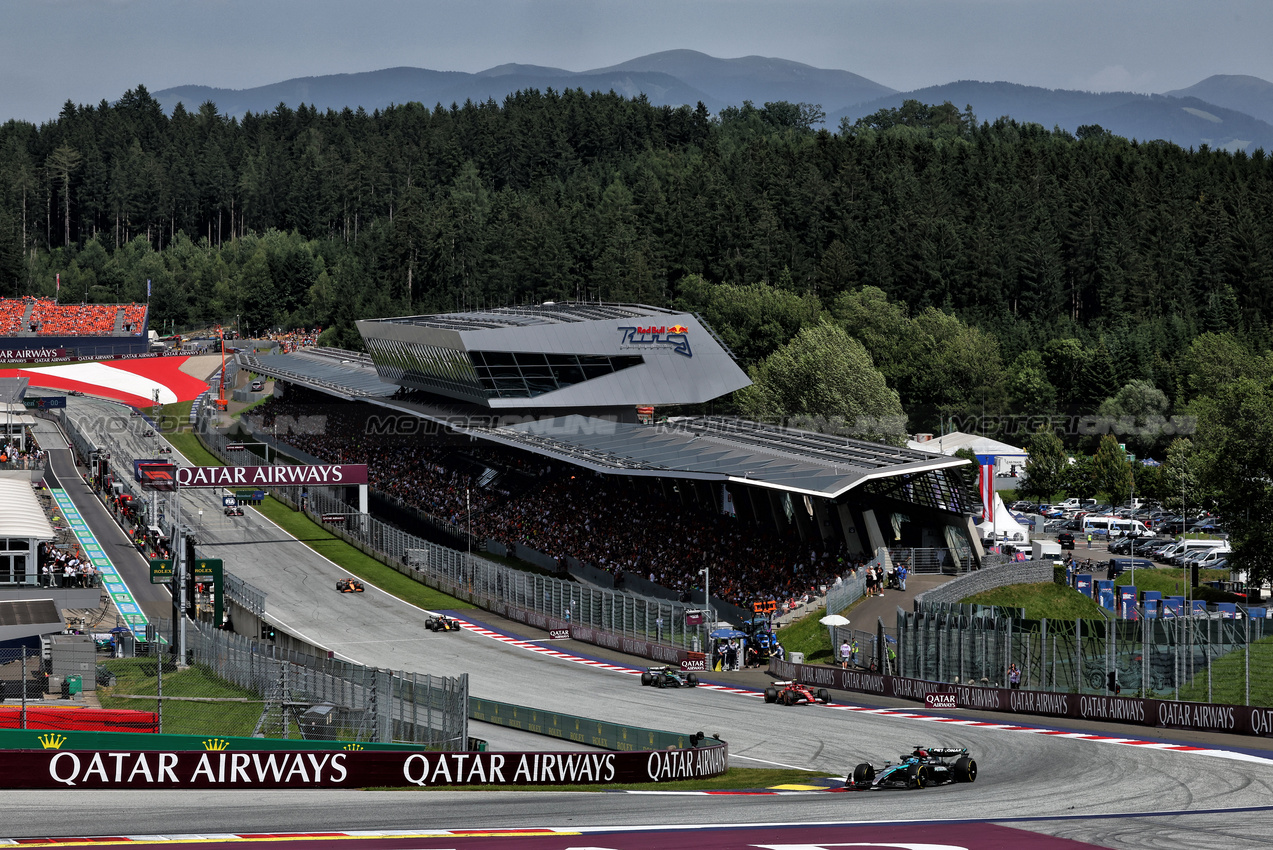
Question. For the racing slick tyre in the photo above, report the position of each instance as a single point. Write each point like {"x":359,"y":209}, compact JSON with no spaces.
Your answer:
{"x":863,"y":774}
{"x":645,"y":678}
{"x":824,"y":696}
{"x":771,"y":694}
{"x":918,"y":775}
{"x":966,"y":770}
{"x":661,"y":682}
{"x":691,"y":680}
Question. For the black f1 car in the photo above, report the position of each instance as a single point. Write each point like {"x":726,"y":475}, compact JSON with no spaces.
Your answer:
{"x":348,"y":585}
{"x":922,"y":766}
{"x":666,"y":677}
{"x":794,"y":693}
{"x":441,"y":623}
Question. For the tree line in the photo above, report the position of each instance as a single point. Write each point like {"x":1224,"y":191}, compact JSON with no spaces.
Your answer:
{"x":915,"y":266}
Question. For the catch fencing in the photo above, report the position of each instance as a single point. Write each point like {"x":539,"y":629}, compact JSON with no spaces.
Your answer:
{"x":1207,"y":658}
{"x":484,"y":582}
{"x":234,"y":685}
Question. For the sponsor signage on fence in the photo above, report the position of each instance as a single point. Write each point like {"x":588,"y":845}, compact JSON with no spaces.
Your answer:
{"x":559,"y":634}
{"x":234,"y":447}
{"x":940,"y":701}
{"x":272,"y":476}
{"x":151,"y":769}
{"x":336,"y":519}
{"x":31,"y":355}
{"x":694,"y":665}
{"x":1162,"y":714}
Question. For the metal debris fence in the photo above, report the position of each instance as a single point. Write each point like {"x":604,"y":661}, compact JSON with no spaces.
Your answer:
{"x":1200,"y":658}
{"x":265,"y":691}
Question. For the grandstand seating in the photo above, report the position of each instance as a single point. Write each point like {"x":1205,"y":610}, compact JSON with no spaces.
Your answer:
{"x":516,"y":497}
{"x":52,"y":319}
{"x":11,"y":312}
{"x":134,"y":315}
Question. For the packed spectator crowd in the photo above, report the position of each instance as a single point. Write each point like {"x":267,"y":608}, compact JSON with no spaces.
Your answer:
{"x":48,"y":318}
{"x":289,"y":341}
{"x":66,"y":567}
{"x":609,"y":522}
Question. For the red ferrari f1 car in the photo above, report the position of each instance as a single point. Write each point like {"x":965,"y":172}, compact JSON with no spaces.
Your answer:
{"x":794,"y":693}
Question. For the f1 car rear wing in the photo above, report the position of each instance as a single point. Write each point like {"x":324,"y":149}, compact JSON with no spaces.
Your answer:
{"x":942,"y":752}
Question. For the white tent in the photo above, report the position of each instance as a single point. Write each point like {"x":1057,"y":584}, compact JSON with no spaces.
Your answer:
{"x":1007,"y":457}
{"x":1005,"y":526}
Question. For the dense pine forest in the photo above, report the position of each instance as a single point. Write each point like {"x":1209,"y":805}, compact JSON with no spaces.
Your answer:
{"x":991,"y":272}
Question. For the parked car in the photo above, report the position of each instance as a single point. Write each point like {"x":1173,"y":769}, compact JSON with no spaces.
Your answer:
{"x":1066,"y":539}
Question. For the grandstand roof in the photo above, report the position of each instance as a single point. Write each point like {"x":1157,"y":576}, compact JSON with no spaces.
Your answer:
{"x":13,"y":390}
{"x":719,"y":449}
{"x":703,"y":448}
{"x":548,"y":313}
{"x":20,"y":512}
{"x":344,"y":374}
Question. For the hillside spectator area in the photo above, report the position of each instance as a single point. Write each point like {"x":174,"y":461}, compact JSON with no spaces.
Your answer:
{"x":24,"y":317}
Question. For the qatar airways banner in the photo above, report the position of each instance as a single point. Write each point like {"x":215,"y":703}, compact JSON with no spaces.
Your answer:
{"x":1157,"y":713}
{"x":285,"y":475}
{"x":151,"y":769}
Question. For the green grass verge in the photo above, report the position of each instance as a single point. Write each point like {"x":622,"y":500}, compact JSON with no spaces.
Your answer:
{"x":364,"y":566}
{"x":247,"y":408}
{"x":1228,"y":678}
{"x":734,"y":779}
{"x":183,"y":717}
{"x":809,"y":636}
{"x":1045,"y":599}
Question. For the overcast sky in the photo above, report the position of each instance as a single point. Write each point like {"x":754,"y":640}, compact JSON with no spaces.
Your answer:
{"x":52,"y":51}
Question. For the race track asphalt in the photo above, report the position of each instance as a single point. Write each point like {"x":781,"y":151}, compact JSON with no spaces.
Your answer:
{"x":1109,"y":794}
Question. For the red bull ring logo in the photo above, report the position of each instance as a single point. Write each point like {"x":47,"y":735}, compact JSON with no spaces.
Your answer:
{"x":674,"y":337}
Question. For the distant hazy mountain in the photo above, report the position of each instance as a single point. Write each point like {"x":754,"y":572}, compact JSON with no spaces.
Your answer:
{"x":1230,"y":112}
{"x":759,"y":79}
{"x":1234,"y":91}
{"x":1187,"y":121}
{"x":378,"y":89}
{"x":674,"y":77}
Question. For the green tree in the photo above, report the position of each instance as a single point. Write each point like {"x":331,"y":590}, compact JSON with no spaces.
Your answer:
{"x":1030,"y":393}
{"x":1139,"y":414}
{"x":1111,"y":472}
{"x":1181,"y":478}
{"x":824,"y":380}
{"x":61,"y":164}
{"x":1235,"y":436}
{"x":1045,"y":465}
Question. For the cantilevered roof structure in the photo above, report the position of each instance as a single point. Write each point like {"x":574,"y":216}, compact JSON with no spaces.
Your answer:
{"x":727,"y":450}
{"x":20,"y":511}
{"x":564,"y":357}
{"x":713,"y":449}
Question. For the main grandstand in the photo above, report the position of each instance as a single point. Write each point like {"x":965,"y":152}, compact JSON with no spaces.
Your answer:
{"x":39,"y":329}
{"x":532,"y":426}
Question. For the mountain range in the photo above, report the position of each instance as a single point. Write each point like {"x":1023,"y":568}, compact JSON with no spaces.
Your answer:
{"x":1232,"y":112}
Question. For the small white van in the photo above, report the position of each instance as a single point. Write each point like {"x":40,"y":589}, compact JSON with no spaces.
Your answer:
{"x":1112,"y":526}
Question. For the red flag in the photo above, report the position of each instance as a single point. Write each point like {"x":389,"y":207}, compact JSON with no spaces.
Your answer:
{"x":987,"y":483}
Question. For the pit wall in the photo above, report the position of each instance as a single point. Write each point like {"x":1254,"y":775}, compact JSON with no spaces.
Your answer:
{"x":581,"y":730}
{"x":1153,"y":713}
